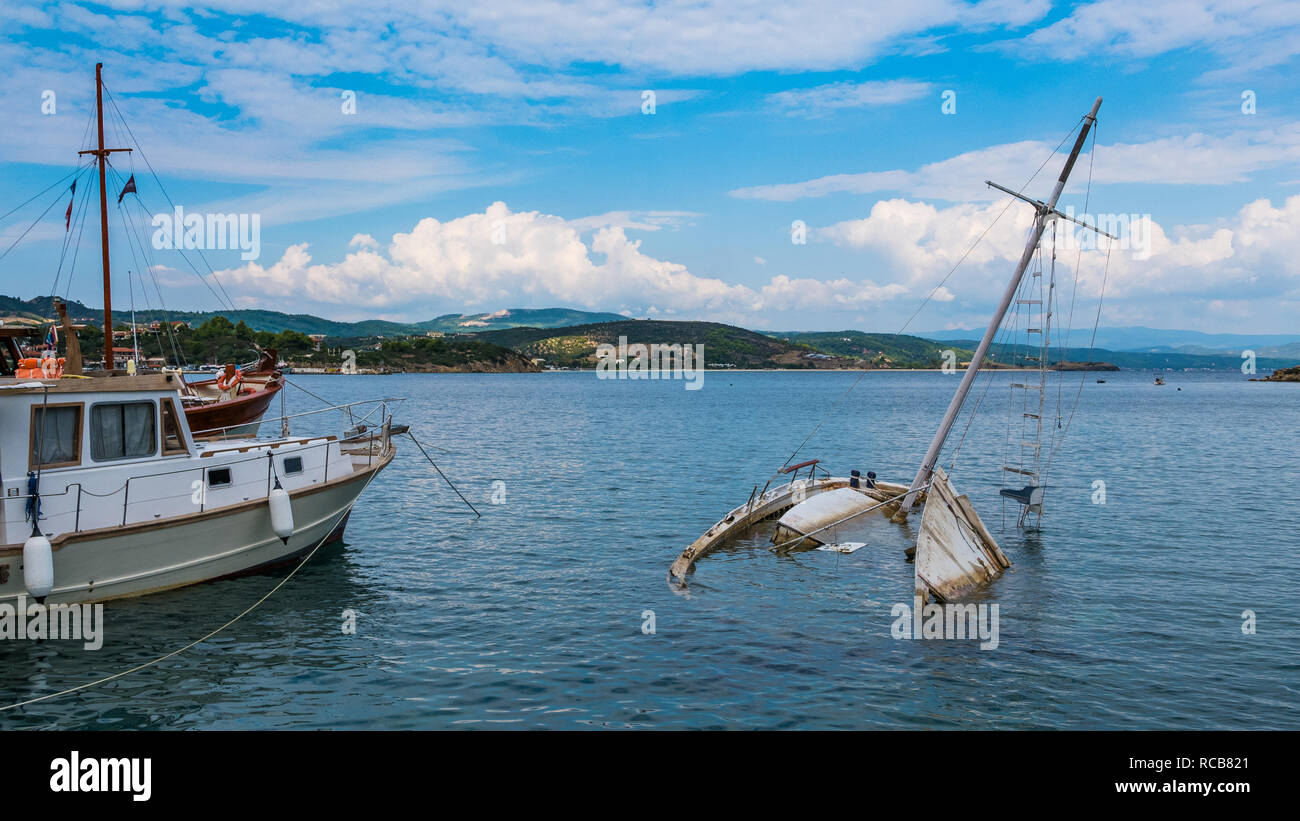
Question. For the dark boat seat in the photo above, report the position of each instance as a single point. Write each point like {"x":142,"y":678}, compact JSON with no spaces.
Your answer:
{"x":1028,"y":495}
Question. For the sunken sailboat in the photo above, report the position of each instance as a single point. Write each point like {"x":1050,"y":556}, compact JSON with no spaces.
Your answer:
{"x":955,"y":552}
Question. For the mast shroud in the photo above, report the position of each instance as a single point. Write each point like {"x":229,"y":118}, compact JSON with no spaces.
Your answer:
{"x":968,"y":378}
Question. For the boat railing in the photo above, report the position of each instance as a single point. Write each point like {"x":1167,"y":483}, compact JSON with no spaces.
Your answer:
{"x":380,"y":405}
{"x":382,"y":437}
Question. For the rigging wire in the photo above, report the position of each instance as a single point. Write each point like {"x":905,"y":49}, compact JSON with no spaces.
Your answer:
{"x":128,"y":221}
{"x":76,"y":247}
{"x":936,"y":288}
{"x":42,"y":192}
{"x":1092,"y":340}
{"x":29,"y":228}
{"x":79,"y":211}
{"x":229,"y":303}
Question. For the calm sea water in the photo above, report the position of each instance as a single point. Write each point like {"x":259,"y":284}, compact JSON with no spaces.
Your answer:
{"x":1122,"y":615}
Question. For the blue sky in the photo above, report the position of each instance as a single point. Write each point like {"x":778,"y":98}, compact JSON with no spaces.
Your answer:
{"x":499,"y":156}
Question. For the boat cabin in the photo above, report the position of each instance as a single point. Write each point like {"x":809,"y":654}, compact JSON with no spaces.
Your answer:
{"x":111,"y":451}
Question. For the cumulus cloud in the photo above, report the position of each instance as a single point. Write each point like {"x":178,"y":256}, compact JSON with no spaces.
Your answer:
{"x":500,"y":255}
{"x":1249,"y":256}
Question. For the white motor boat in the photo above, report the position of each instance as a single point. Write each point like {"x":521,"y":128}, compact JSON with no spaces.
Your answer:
{"x":106,"y":492}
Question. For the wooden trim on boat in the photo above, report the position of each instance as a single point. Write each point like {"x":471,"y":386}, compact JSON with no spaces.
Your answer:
{"x":358,"y":474}
{"x":91,"y":384}
{"x":271,"y":445}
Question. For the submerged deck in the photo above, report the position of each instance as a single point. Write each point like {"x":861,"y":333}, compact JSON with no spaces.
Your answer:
{"x":739,"y":522}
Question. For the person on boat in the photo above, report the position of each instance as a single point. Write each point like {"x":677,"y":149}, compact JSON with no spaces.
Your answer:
{"x":229,"y":381}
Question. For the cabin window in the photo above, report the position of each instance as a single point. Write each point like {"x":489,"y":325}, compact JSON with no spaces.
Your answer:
{"x":292,"y":465}
{"x":123,"y":430}
{"x":173,"y":442}
{"x":56,"y":436}
{"x":218,"y":477}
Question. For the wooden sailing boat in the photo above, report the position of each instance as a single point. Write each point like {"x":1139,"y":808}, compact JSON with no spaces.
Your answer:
{"x":955,"y":553}
{"x":211,"y":412}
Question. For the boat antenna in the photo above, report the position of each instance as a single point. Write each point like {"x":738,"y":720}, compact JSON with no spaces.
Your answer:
{"x":1044,"y":211}
{"x":102,"y":154}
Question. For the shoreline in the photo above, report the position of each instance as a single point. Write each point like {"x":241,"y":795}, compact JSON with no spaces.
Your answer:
{"x":742,"y":370}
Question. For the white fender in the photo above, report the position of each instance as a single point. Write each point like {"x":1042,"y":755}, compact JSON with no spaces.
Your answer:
{"x":38,"y":566}
{"x":281,"y":512}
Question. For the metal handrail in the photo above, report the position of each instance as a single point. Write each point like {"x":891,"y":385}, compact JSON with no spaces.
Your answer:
{"x":379,"y":402}
{"x":202,"y":470}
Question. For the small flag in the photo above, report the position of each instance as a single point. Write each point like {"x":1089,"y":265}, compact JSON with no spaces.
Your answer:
{"x":129,"y":188}
{"x":67,"y":217}
{"x":52,"y":337}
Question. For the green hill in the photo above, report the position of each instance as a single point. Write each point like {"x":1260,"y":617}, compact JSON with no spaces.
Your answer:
{"x":883,"y":350}
{"x":724,"y":345}
{"x":277,"y":321}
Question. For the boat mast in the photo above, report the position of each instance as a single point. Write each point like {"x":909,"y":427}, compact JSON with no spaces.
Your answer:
{"x":1044,"y":210}
{"x":102,"y":153}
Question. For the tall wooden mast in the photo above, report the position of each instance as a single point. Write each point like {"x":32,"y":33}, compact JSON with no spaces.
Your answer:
{"x":102,"y":154}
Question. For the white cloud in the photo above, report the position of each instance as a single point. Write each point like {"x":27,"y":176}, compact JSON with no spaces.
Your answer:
{"x":1252,"y":256}
{"x":1192,"y":159}
{"x":1251,"y":32}
{"x":500,"y":255}
{"x":819,"y":101}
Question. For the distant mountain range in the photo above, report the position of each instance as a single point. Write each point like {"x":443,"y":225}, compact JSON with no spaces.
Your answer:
{"x":276,"y":321}
{"x":1156,"y":340}
{"x":568,"y":337}
{"x":1138,"y":360}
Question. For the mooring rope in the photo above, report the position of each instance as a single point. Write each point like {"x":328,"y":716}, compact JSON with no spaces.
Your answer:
{"x":198,"y":641}
{"x":443,"y":475}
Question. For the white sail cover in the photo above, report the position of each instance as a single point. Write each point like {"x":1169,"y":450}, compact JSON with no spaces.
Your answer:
{"x":955,"y":553}
{"x":809,"y":517}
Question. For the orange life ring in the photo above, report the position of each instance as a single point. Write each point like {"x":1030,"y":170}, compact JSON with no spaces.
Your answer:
{"x":233,"y":381}
{"x":51,"y":368}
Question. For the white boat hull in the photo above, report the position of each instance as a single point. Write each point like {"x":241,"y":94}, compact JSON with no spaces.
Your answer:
{"x":147,"y":557}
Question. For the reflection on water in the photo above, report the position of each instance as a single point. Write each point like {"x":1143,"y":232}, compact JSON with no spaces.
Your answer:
{"x":1123,"y":615}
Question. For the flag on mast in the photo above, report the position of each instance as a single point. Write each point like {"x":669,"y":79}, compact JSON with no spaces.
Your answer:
{"x":129,"y":188}
{"x":67,"y":217}
{"x":52,"y":337}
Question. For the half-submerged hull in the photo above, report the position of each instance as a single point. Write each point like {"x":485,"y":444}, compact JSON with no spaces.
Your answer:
{"x":775,"y":502}
{"x":148,"y":557}
{"x":955,"y":553}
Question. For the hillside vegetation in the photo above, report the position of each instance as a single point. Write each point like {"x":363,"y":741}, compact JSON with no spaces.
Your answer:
{"x":276,"y":321}
{"x":725,"y":345}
